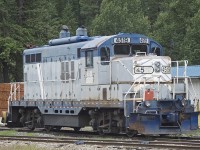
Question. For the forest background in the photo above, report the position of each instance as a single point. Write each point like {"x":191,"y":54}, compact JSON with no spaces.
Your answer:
{"x":175,"y":24}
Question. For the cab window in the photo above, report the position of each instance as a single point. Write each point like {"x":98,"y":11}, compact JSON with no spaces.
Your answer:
{"x":38,"y":57}
{"x":33,"y":58}
{"x":121,"y":49}
{"x":138,"y":48}
{"x":89,"y":58}
{"x":105,"y":55}
{"x":28,"y":59}
{"x":156,"y":50}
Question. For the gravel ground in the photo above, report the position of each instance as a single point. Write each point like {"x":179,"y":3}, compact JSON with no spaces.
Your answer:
{"x":18,"y":145}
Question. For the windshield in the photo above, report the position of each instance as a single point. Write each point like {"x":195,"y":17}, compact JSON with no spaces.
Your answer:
{"x":126,"y":49}
{"x":138,"y":48}
{"x":122,"y":49}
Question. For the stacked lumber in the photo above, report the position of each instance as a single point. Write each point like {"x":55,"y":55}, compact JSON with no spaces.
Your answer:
{"x":14,"y":91}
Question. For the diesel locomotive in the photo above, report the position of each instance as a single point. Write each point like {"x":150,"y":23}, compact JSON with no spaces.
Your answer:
{"x":116,"y":84}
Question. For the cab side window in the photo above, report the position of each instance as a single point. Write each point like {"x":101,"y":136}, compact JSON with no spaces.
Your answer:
{"x":105,"y":55}
{"x":156,"y":50}
{"x":89,"y":58}
{"x":33,"y":58}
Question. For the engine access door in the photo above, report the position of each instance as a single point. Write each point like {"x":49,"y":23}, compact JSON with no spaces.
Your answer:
{"x":104,"y":66}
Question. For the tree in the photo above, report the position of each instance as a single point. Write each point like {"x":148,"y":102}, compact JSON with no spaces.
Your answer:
{"x":191,"y":43}
{"x":22,"y":22}
{"x":120,"y":16}
{"x":88,"y":10}
{"x":171,"y":26}
{"x":40,"y":20}
{"x":8,"y":51}
{"x":152,"y":8}
{"x":8,"y":44}
{"x":68,"y":18}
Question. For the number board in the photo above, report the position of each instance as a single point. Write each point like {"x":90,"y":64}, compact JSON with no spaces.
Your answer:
{"x":144,"y":40}
{"x":143,"y":70}
{"x":122,"y":40}
{"x":166,"y":69}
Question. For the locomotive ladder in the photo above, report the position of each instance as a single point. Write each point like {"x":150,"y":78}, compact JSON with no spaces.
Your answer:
{"x":178,"y":77}
{"x":128,"y":92}
{"x":186,"y":82}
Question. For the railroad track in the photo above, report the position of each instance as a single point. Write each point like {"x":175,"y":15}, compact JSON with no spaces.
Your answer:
{"x":131,"y":143}
{"x":90,"y":138}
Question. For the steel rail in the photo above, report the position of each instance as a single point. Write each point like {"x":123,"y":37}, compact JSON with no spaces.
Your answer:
{"x":126,"y":143}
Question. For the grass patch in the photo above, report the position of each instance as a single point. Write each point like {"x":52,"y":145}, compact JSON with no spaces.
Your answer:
{"x":8,"y":133}
{"x":30,"y":134}
{"x":194,"y":133}
{"x":16,"y":133}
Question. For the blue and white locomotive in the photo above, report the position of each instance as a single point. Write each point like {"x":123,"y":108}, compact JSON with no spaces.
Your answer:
{"x":115,"y":84}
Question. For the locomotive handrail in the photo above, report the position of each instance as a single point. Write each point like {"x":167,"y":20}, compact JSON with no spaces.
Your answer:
{"x":125,"y":113}
{"x":177,"y":68}
{"x":138,"y":107}
{"x":144,"y":84}
{"x":126,"y":68}
{"x":13,"y":92}
{"x":177,"y":77}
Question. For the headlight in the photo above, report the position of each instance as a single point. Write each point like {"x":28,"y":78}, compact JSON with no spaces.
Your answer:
{"x":147,"y":103}
{"x":166,"y":69}
{"x":157,"y":66}
{"x":157,"y":69}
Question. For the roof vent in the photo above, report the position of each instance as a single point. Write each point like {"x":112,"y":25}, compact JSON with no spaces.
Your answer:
{"x":64,"y":32}
{"x":81,"y":31}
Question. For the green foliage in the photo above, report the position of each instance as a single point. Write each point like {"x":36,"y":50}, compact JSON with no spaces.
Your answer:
{"x":191,"y":42}
{"x":120,"y":16}
{"x":171,"y":26}
{"x":8,"y":47}
{"x":173,"y":23}
{"x":89,"y":9}
{"x":69,"y":19}
{"x":8,"y":133}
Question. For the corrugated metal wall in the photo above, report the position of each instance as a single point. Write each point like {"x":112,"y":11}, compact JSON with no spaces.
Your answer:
{"x":194,"y":90}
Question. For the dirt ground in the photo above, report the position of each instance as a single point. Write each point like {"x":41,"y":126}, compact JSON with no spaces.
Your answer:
{"x":20,"y":145}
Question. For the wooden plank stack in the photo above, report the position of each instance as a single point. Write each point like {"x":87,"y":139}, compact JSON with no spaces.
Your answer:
{"x":13,"y":90}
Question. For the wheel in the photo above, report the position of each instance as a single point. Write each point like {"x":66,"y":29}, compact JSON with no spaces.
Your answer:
{"x":48,"y":128}
{"x":76,"y":129}
{"x":31,"y":127}
{"x":30,"y":120}
{"x":57,"y":128}
{"x":131,"y":133}
{"x":100,"y":131}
